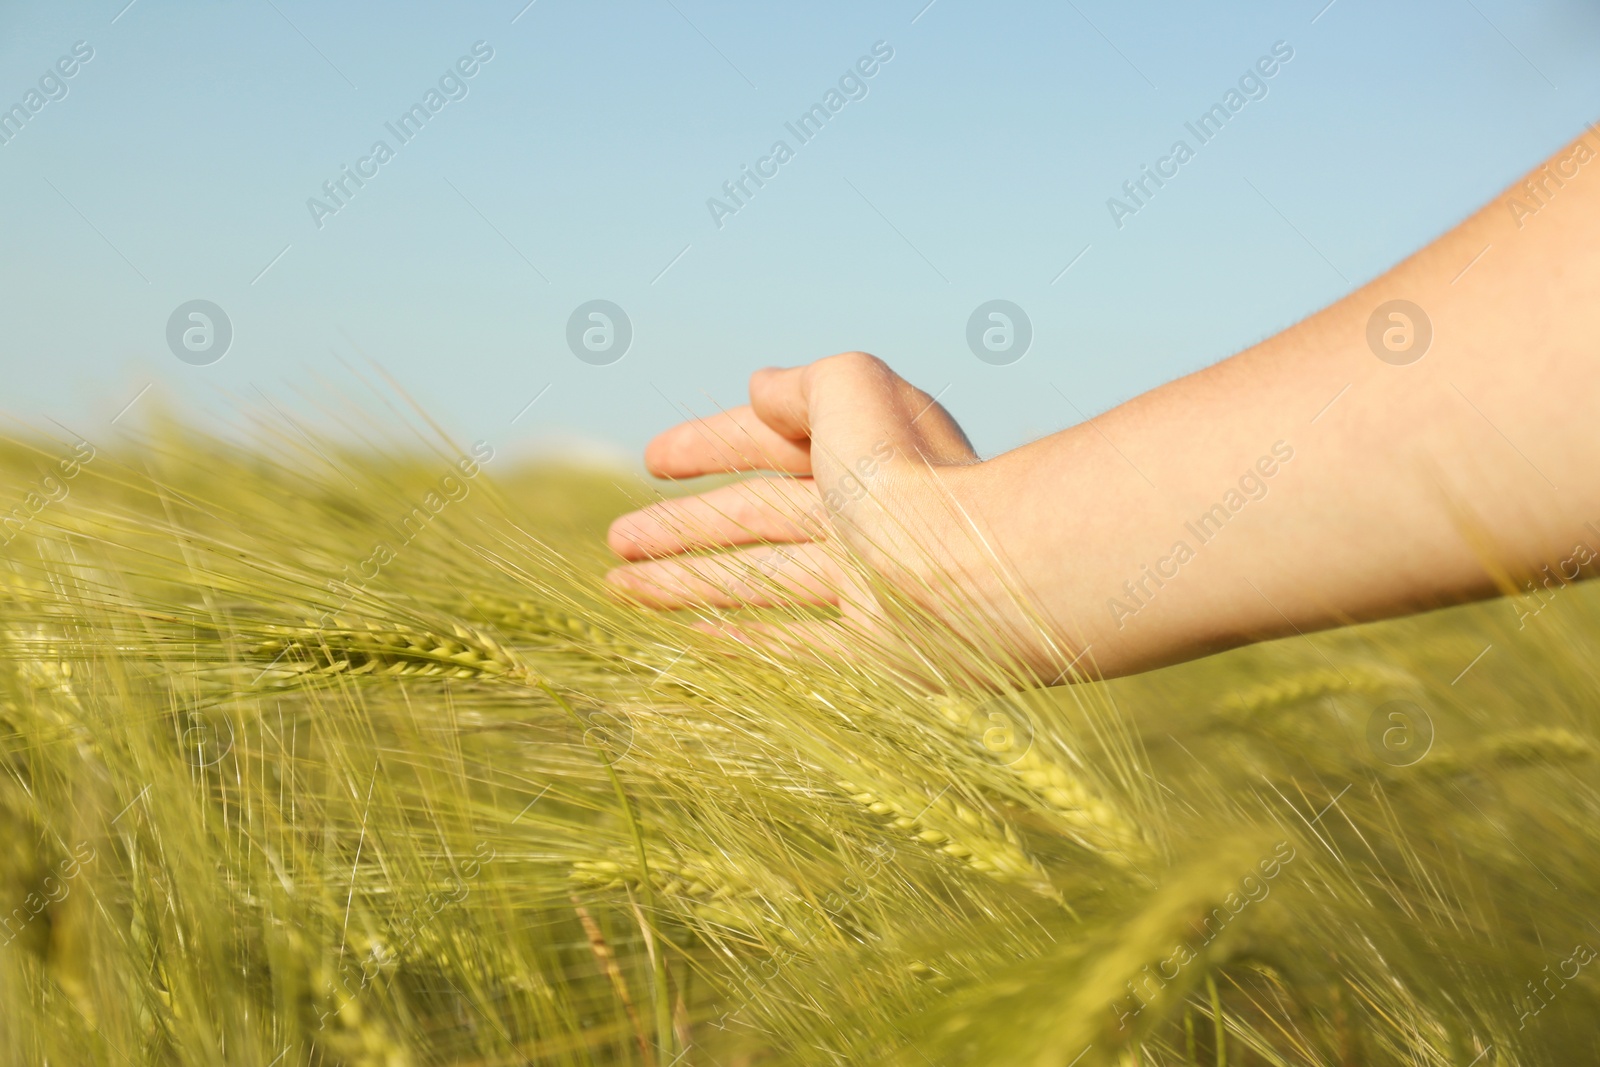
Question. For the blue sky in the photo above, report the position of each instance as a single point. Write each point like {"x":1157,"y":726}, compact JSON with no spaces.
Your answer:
{"x":578,"y":165}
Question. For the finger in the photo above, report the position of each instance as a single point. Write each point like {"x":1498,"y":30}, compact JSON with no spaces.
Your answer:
{"x":781,"y":575}
{"x":781,"y":398}
{"x":772,"y":510}
{"x":735,"y":440}
{"x":856,"y":404}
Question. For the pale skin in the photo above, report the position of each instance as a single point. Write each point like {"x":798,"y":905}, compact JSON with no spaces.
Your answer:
{"x":1455,"y":477}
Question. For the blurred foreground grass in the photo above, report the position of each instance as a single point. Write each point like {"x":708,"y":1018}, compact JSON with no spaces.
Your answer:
{"x":322,"y":756}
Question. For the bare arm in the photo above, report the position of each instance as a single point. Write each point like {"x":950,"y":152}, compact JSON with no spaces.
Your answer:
{"x":1411,"y":484}
{"x":1332,"y":473}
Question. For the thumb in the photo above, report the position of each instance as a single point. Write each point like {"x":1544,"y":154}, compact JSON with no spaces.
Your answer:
{"x":850,"y":404}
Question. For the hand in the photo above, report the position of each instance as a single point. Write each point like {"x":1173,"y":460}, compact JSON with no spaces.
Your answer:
{"x":881,"y":476}
{"x":1438,"y":480}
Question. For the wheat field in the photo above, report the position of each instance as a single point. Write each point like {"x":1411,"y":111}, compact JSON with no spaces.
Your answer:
{"x":332,"y":750}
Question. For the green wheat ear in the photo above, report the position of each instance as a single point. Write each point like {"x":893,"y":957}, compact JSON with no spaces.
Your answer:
{"x":1095,"y":1000}
{"x":1537,"y":747}
{"x":721,"y":816}
{"x":700,"y":887}
{"x":376,"y":648}
{"x":948,"y":827}
{"x":524,"y":619}
{"x":1084,"y":815}
{"x":1252,"y":704}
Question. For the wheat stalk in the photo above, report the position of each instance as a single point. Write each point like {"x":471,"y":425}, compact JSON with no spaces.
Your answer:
{"x":228,"y":897}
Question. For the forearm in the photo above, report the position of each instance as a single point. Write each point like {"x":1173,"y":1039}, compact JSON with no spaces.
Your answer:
{"x":1175,"y":524}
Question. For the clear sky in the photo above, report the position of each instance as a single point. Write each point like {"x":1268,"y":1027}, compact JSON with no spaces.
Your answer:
{"x":576,"y":163}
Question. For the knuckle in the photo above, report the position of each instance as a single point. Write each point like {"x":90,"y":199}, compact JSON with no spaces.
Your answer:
{"x":855,"y":363}
{"x":746,"y":508}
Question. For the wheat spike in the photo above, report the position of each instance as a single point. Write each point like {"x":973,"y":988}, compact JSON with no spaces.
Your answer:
{"x":1089,"y":819}
{"x":1245,"y":705}
{"x":391,"y":649}
{"x":1540,"y":746}
{"x":700,"y":887}
{"x":950,"y":828}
